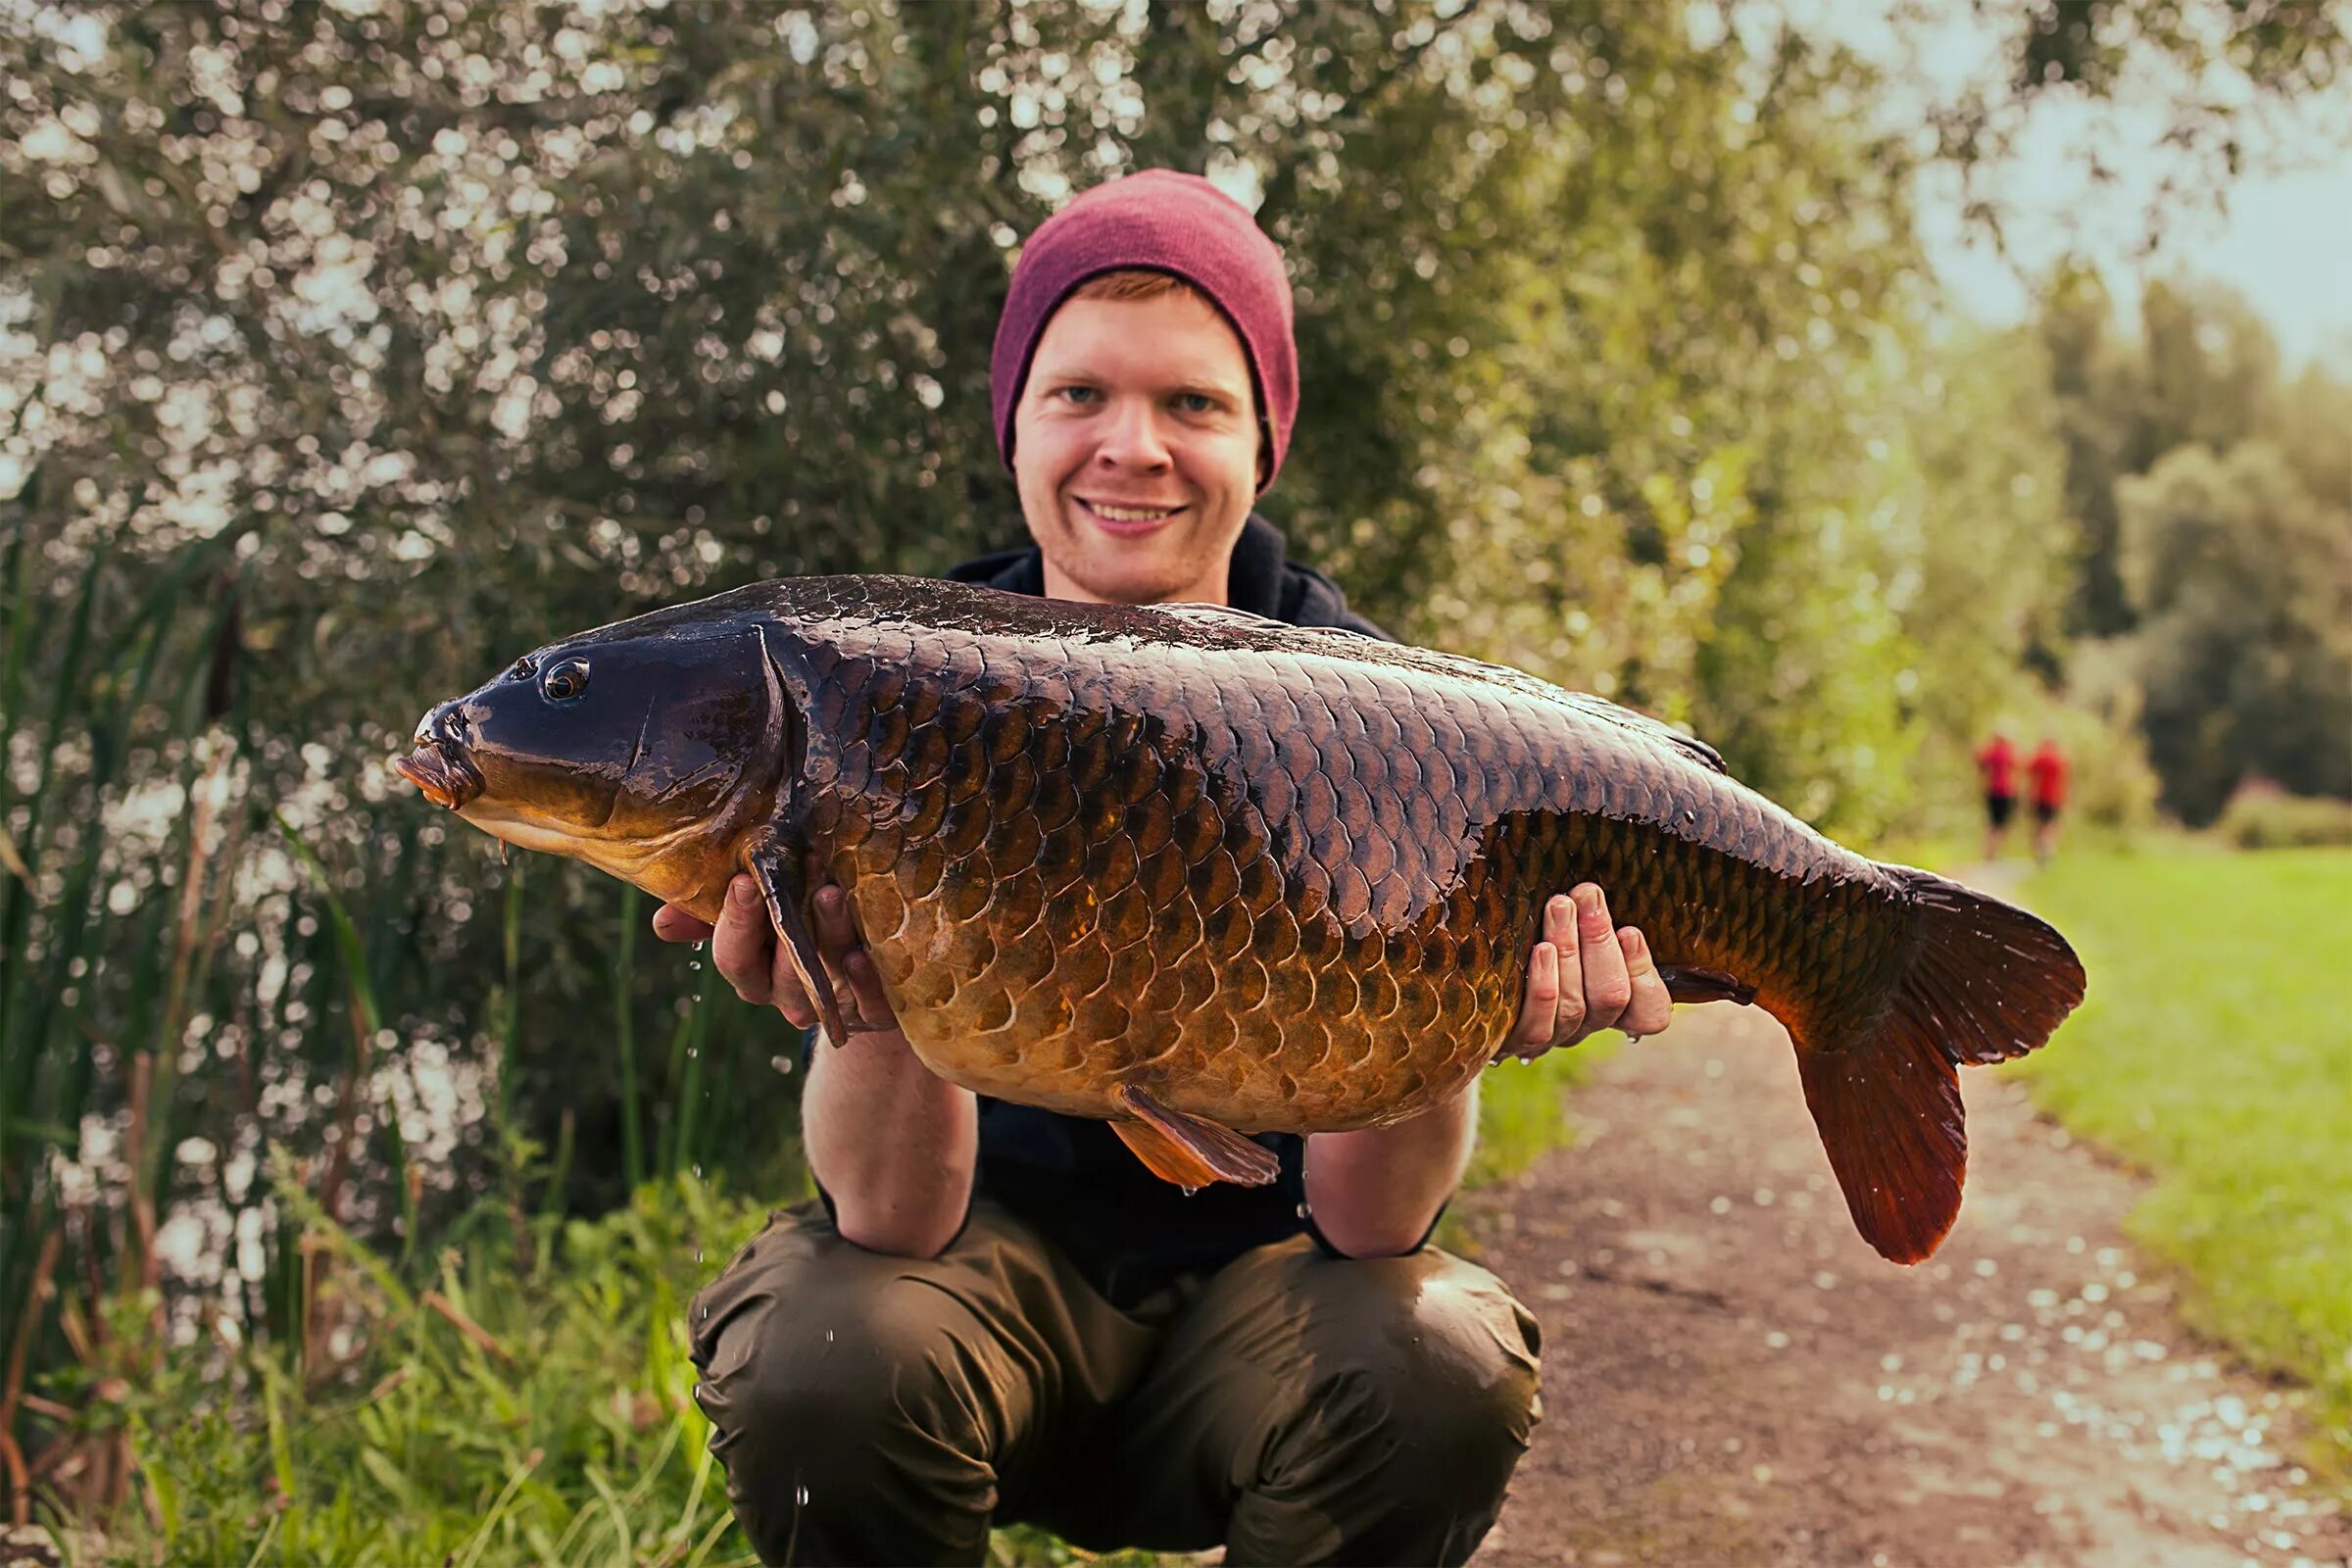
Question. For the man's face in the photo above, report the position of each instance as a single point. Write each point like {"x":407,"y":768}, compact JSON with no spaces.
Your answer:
{"x":1135,"y":445}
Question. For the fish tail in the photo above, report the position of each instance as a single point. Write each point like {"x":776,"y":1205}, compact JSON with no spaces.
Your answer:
{"x":1985,"y":982}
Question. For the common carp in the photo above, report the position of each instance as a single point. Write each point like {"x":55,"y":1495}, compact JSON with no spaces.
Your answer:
{"x":1203,"y":873}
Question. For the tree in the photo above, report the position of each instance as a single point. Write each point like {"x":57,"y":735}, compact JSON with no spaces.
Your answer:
{"x":2095,"y":376}
{"x":347,"y":352}
{"x":2243,"y":582}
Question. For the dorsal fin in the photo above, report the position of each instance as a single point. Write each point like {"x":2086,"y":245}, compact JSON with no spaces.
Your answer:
{"x":1218,"y":615}
{"x":1609,"y":713}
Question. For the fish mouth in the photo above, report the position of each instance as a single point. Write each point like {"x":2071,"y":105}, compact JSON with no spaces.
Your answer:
{"x":447,"y":778}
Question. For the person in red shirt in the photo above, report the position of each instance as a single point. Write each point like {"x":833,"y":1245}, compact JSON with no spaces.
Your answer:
{"x":2045,"y":774}
{"x":1996,"y":761}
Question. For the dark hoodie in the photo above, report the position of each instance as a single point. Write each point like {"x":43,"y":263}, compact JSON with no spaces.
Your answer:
{"x":1127,"y":1230}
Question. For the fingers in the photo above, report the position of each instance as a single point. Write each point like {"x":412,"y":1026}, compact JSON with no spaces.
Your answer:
{"x":743,"y":945}
{"x":790,"y":990}
{"x":1538,"y":1008}
{"x":1652,"y":1006}
{"x":837,"y":945}
{"x":855,"y":980}
{"x":1608,"y":980}
{"x":1553,"y":1005}
{"x":753,"y":962}
{"x":673,"y":924}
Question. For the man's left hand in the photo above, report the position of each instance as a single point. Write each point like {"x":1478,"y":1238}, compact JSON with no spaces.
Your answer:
{"x":1586,"y":975}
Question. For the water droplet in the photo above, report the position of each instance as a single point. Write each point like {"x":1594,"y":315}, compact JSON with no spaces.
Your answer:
{"x":698,"y":1254}
{"x":1302,"y":1211}
{"x":800,"y":1497}
{"x":1189,"y":1190}
{"x":828,"y":1336}
{"x":782,"y":1065}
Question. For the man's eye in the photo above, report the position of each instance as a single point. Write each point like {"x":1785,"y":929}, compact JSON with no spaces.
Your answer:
{"x":1195,"y":403}
{"x":1081,"y":395}
{"x":566,"y":680}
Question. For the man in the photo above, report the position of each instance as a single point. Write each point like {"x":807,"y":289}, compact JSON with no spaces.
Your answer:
{"x":999,"y":1314}
{"x":2045,"y":774}
{"x":1996,"y":767}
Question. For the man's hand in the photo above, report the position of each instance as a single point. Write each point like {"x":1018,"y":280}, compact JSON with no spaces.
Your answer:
{"x":762,"y":970}
{"x":1585,"y":976}
{"x":894,"y":1146}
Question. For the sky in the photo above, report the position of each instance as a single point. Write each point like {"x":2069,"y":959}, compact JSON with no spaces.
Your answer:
{"x":2280,"y":233}
{"x":2282,"y":238}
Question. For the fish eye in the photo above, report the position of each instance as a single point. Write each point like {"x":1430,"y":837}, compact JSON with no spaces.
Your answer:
{"x":566,"y":680}
{"x":524,"y":668}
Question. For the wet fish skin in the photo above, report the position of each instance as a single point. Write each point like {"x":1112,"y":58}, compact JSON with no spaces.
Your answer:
{"x":1117,"y":860}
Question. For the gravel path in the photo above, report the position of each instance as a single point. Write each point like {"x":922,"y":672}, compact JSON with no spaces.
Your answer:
{"x":1731,"y":1376}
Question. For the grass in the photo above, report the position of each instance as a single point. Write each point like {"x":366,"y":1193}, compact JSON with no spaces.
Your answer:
{"x":2215,"y":1050}
{"x":530,"y":1406}
{"x":522,"y":1398}
{"x":1523,"y":1109}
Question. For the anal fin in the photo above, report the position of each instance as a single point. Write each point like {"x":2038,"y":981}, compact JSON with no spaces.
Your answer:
{"x":1191,"y":1151}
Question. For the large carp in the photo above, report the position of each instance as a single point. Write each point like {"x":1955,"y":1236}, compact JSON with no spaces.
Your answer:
{"x":1197,"y":871}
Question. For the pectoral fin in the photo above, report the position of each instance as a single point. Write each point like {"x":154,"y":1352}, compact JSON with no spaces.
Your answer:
{"x":1687,"y":982}
{"x":1191,"y":1151}
{"x":788,"y":911}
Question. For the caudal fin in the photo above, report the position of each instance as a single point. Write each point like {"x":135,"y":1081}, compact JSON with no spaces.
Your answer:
{"x":1985,"y":982}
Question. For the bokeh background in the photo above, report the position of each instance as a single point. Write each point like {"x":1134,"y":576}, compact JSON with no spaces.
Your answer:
{"x":1841,"y":383}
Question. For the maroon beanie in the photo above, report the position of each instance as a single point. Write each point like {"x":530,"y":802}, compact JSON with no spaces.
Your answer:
{"x":1157,"y":220}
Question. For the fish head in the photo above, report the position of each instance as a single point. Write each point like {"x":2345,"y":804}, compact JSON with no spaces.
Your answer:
{"x":643,"y":751}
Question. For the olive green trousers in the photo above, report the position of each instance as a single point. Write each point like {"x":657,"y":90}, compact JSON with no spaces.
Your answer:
{"x":1293,"y":1406}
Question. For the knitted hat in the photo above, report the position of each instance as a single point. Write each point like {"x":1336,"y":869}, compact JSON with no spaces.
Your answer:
{"x":1163,"y":221}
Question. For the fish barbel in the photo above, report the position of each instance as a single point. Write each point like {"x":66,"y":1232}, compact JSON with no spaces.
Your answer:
{"x":1204,"y":875}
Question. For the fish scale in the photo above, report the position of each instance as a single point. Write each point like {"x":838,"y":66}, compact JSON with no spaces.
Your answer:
{"x":1206,"y":874}
{"x":1338,"y":862}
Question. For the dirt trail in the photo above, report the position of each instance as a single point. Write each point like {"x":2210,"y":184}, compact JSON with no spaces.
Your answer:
{"x":1731,"y":1376}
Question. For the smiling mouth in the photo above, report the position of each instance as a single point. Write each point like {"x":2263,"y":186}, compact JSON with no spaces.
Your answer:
{"x":1127,"y":517}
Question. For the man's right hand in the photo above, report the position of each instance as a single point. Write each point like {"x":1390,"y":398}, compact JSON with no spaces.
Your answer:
{"x":762,"y":970}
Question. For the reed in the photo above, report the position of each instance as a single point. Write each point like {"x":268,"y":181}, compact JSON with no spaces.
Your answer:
{"x":221,"y":947}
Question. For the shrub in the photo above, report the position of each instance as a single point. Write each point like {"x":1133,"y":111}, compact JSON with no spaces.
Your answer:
{"x":2263,"y":819}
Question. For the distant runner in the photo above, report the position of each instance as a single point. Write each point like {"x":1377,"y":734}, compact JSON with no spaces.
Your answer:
{"x":2045,"y":773}
{"x":1998,"y":763}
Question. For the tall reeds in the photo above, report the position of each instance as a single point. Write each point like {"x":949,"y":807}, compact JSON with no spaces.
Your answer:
{"x":223,"y":948}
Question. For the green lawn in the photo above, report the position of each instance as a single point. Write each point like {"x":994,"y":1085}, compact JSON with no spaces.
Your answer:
{"x":2215,"y":1049}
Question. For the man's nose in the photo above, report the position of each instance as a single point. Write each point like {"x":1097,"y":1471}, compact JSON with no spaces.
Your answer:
{"x":1133,"y":439}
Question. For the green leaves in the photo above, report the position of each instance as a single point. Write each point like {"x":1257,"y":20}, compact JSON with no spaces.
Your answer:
{"x":575,"y":1440}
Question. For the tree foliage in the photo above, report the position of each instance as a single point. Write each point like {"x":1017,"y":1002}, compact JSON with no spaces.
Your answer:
{"x":2210,"y":85}
{"x":2212,"y":505}
{"x":2243,"y":582}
